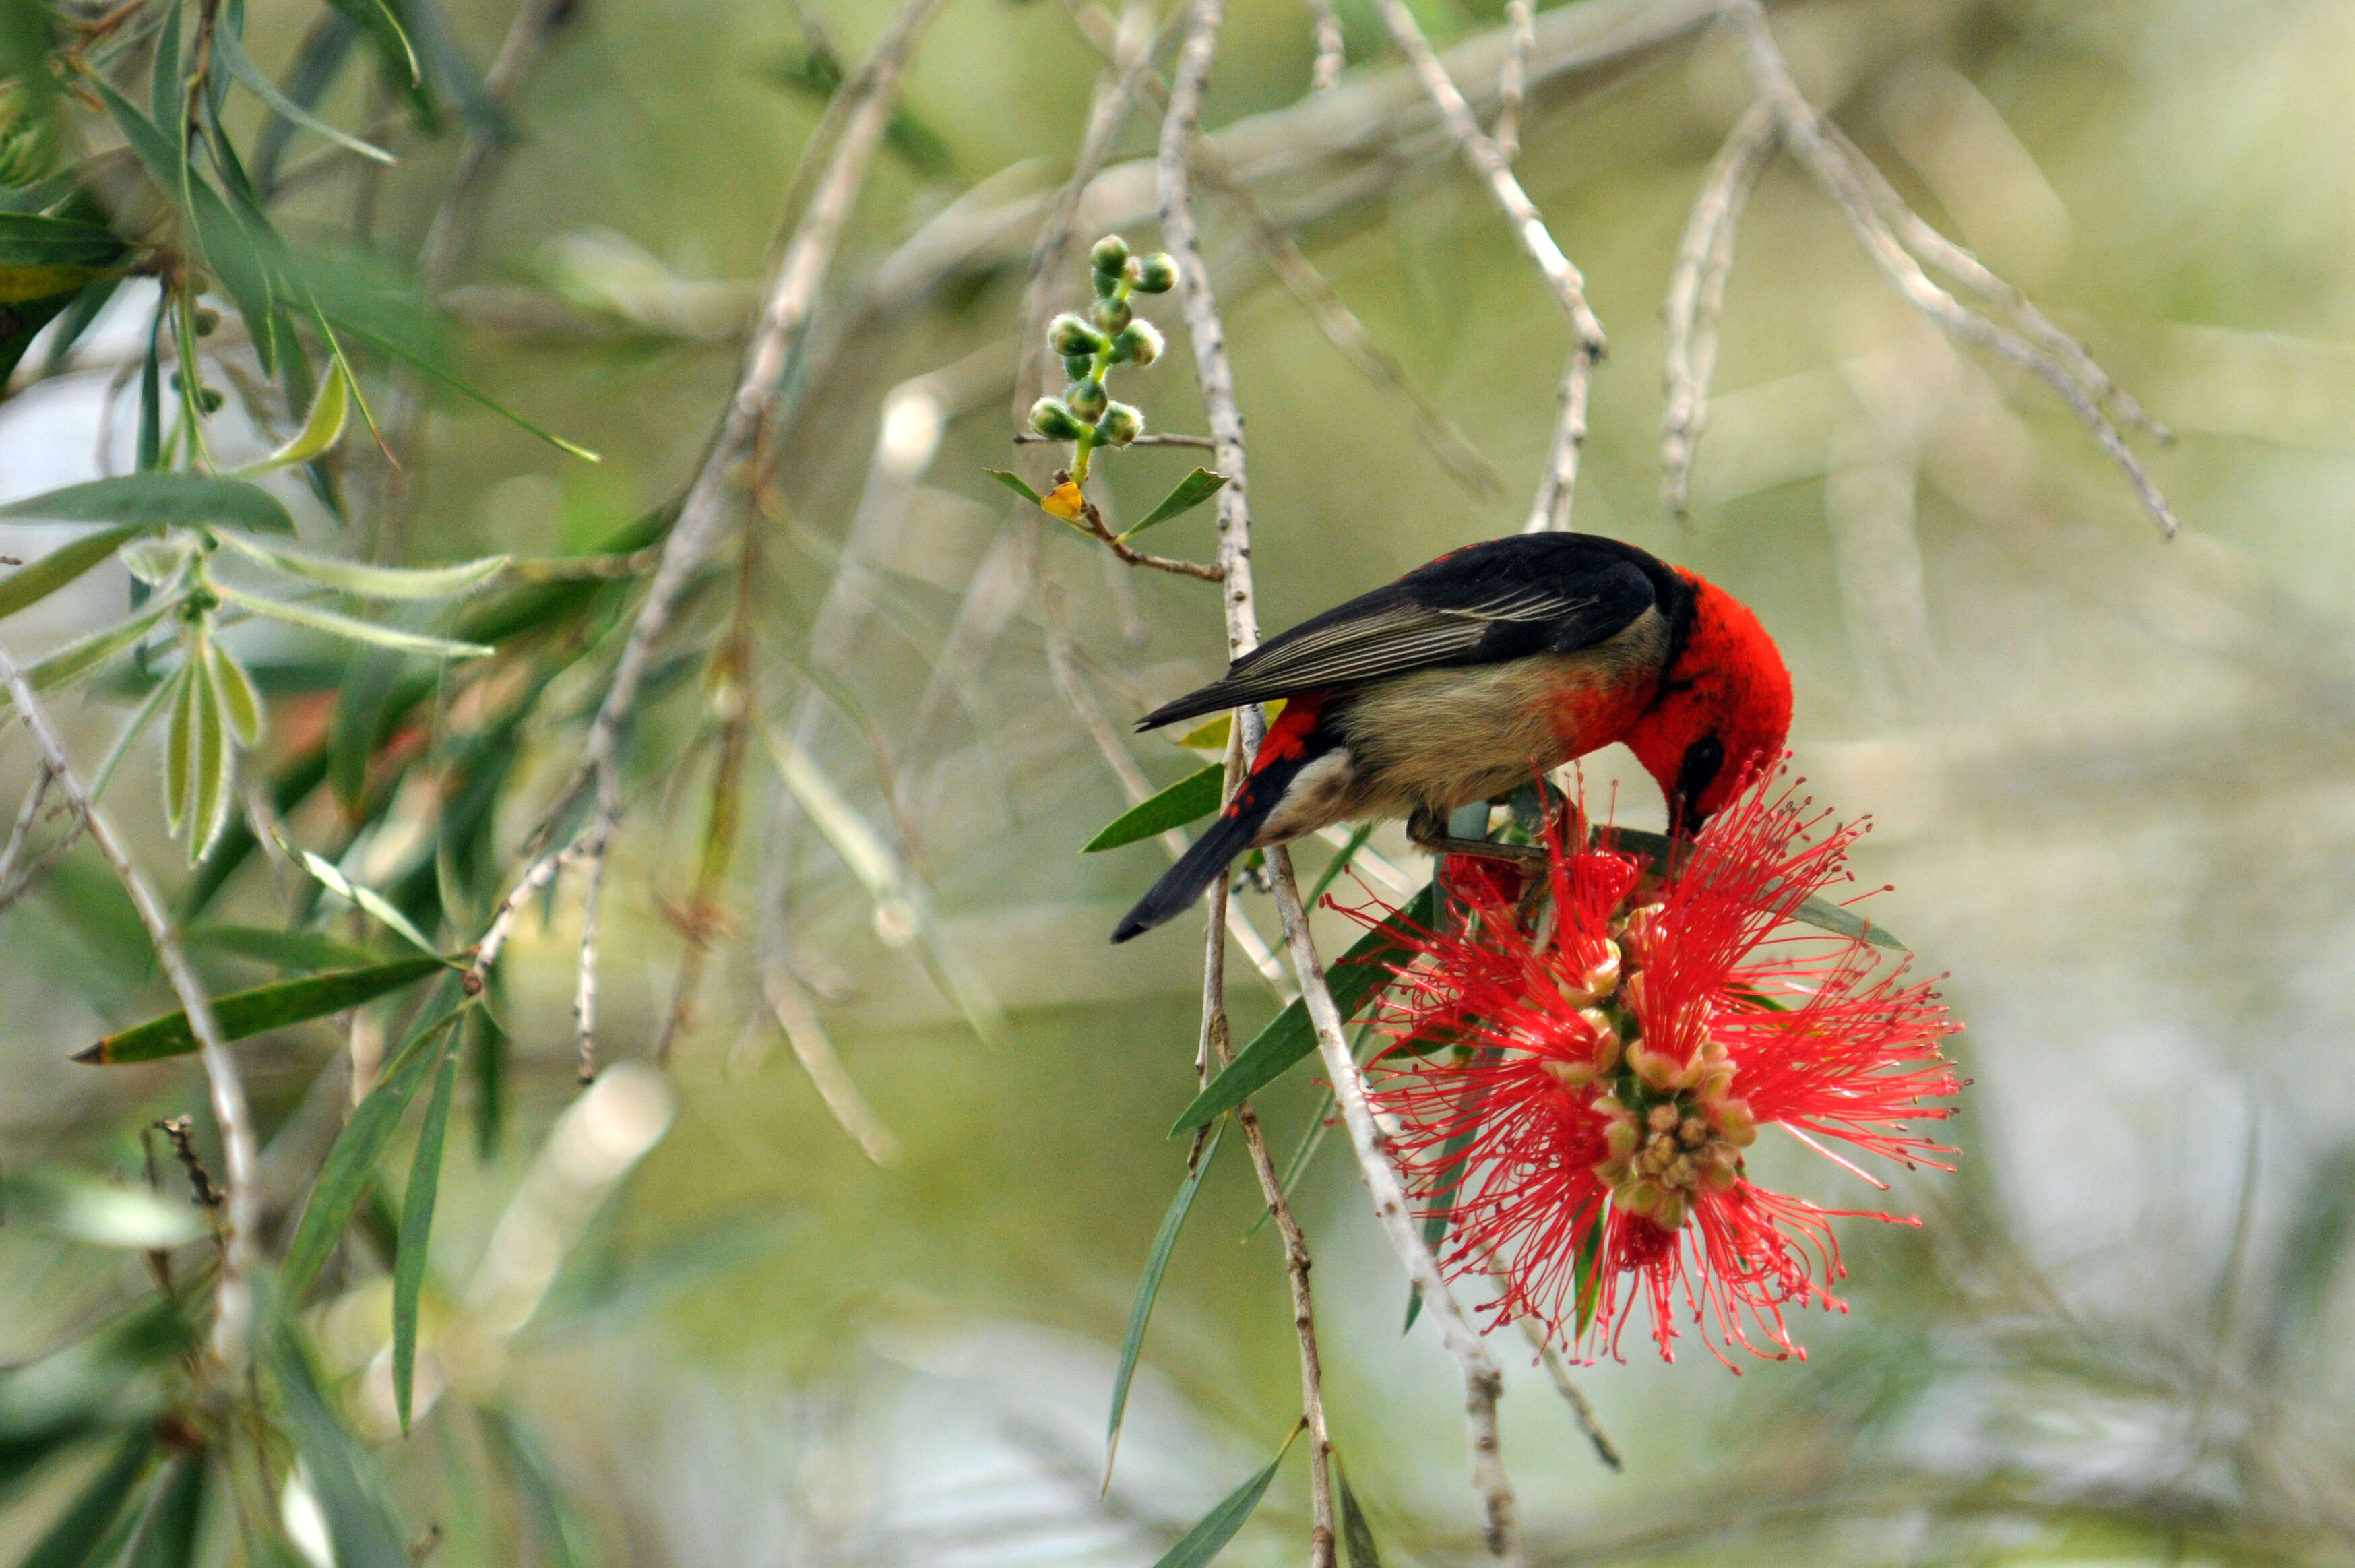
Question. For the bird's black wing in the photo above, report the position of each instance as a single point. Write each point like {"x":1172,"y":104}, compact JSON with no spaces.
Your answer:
{"x":1488,"y":603}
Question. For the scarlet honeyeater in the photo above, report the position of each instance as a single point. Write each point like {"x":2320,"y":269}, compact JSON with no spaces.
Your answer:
{"x":1577,"y":1094}
{"x":1456,"y":682}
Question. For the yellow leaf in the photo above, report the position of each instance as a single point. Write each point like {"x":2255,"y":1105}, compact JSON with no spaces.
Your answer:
{"x":1211,"y":734}
{"x":1065,"y":501}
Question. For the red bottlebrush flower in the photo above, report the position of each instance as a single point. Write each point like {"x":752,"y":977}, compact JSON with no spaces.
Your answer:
{"x":1575,"y":1097}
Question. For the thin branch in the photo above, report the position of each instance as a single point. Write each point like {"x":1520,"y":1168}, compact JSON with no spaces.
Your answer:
{"x":1063,"y":658}
{"x":1803,"y":131}
{"x":453,"y":227}
{"x":710,"y":500}
{"x":26,"y":815}
{"x":795,"y":1015}
{"x":1556,"y":484}
{"x":232,"y":1299}
{"x":1513,"y":80}
{"x":1558,"y":1371}
{"x":1697,"y":295}
{"x":585,"y":996}
{"x":1964,"y":266}
{"x":1332,"y":49}
{"x":1093,"y":521}
{"x":1180,"y":127}
{"x":1197,"y":443}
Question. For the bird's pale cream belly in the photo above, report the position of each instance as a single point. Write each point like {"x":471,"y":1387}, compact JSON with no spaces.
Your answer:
{"x":1439,"y":739}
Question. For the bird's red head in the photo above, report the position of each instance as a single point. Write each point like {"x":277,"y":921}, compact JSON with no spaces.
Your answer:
{"x":1723,"y":713}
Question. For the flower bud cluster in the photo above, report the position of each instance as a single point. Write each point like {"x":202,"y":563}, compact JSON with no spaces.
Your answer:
{"x":1090,"y":345}
{"x":1672,"y":1125}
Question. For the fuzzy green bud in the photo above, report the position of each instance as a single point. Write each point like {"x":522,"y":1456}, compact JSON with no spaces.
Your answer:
{"x":1153,"y":274}
{"x":1120,"y":425}
{"x":1086,"y":400}
{"x":1110,"y":255}
{"x":1139,"y":343}
{"x":1070,"y":336}
{"x":1111,"y":314}
{"x":1108,"y":284}
{"x":1050,"y":418}
{"x":1078,"y":367}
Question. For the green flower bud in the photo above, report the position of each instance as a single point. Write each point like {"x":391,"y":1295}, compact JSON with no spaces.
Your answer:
{"x":1120,"y":425}
{"x":1153,"y":274}
{"x":1139,"y":343}
{"x":1086,"y":400}
{"x":210,"y":399}
{"x":1110,"y":255}
{"x":1107,"y":284}
{"x":1111,"y":314}
{"x":208,"y":321}
{"x":1078,"y":367}
{"x":1070,"y":336}
{"x":1053,"y":419}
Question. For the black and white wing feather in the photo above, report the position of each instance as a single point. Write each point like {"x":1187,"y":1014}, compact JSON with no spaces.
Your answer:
{"x":1503,"y":599}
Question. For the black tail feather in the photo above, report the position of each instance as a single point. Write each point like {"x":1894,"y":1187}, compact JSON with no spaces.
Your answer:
{"x":1200,"y":866}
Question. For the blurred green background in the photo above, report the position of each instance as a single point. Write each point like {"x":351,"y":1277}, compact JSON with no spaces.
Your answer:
{"x":2109,"y":778}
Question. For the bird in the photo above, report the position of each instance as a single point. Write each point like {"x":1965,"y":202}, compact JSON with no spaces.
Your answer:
{"x":1476,"y":672}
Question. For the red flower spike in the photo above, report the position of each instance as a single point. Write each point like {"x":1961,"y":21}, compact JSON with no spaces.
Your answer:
{"x":1592,"y":1083}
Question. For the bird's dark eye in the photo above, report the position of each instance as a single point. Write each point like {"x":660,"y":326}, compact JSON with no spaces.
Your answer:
{"x":1702,"y":760}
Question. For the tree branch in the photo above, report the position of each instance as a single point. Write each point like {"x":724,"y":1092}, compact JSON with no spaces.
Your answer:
{"x":1827,"y":159}
{"x":233,"y":1301}
{"x":1697,"y":294}
{"x":1560,"y":480}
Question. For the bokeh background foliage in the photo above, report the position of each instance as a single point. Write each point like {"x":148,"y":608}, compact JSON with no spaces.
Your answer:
{"x":686,"y":1316}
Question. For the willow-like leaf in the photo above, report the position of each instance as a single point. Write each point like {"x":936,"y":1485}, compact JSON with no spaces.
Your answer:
{"x":244,"y":1014}
{"x":153,"y":500}
{"x":331,"y":876}
{"x":1353,"y":979}
{"x":1190,"y":492}
{"x":360,"y":1528}
{"x":179,"y":749}
{"x":1015,"y":483}
{"x":1357,"y":1534}
{"x":322,"y":428}
{"x":1188,"y":800}
{"x":32,"y":584}
{"x":241,"y":67}
{"x":350,"y":1166}
{"x":366,"y":581}
{"x":1148,"y":1288}
{"x":240,"y":704}
{"x":1207,"y":1539}
{"x":417,"y":1226}
{"x":74,"y":1541}
{"x":350,"y":628}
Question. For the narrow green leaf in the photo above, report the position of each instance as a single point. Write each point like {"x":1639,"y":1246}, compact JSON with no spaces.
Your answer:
{"x":1357,"y":1535}
{"x":437,"y":373}
{"x":367,"y":581}
{"x":1340,"y":863}
{"x":1207,"y":1539}
{"x":30,"y":242}
{"x":214,"y":765}
{"x":173,"y":1518}
{"x":1148,"y":1287}
{"x":1013,"y":482}
{"x":31,"y":584}
{"x":90,"y":651}
{"x":306,"y":951}
{"x":490,"y":1079}
{"x":157,"y":152}
{"x":151,"y":394}
{"x":1353,"y":979}
{"x":179,"y":749}
{"x":1191,"y":492}
{"x":349,"y":628}
{"x":564,"y":1536}
{"x":244,"y":1014}
{"x":417,"y":1227}
{"x":241,"y":67}
{"x":332,"y":878}
{"x":73,"y":1542}
{"x":128,"y":737}
{"x":1190,"y":799}
{"x":240,"y":704}
{"x":361,"y":1529}
{"x":167,"y":89}
{"x":151,"y":500}
{"x":350,"y":1166}
{"x":1451,"y":1153}
{"x":322,"y":428}
{"x":1588,"y":1279}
